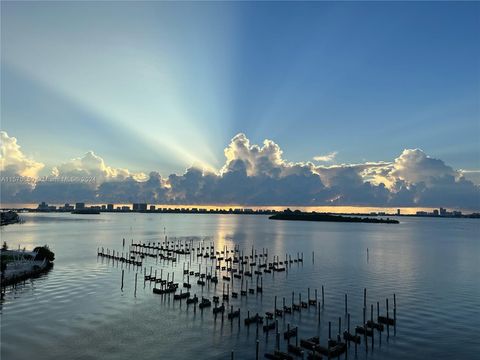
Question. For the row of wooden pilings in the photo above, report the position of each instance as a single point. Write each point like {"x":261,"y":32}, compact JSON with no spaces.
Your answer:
{"x":334,"y":346}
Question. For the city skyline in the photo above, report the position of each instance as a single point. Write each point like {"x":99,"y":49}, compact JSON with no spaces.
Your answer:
{"x":225,"y":209}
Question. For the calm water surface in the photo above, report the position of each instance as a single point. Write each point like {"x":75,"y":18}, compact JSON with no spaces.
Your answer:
{"x":78,"y":311}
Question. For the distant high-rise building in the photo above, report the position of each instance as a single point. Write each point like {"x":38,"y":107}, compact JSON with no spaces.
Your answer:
{"x":42,"y":206}
{"x":398,"y":211}
{"x":110,"y":207}
{"x":152,"y":207}
{"x":79,"y":206}
{"x":435,"y":212}
{"x":140,"y":207}
{"x":68,"y":207}
{"x":443,"y":212}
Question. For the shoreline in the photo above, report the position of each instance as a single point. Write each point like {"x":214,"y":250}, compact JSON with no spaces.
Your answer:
{"x":26,"y":274}
{"x":9,"y":217}
{"x":237,"y":211}
{"x":20,"y":265}
{"x":334,"y":209}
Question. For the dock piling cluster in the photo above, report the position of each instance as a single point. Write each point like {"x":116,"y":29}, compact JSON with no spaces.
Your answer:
{"x":234,"y":269}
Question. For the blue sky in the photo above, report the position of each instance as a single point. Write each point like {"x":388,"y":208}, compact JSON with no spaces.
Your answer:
{"x":158,"y":86}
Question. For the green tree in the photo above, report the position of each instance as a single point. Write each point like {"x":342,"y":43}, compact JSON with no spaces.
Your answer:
{"x":44,"y":252}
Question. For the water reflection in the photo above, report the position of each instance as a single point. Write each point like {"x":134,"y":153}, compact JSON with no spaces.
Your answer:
{"x":78,"y":310}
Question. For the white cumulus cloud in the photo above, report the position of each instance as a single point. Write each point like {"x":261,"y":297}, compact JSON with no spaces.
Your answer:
{"x":92,"y":165}
{"x":13,"y":161}
{"x":255,"y":175}
{"x":326,"y":158}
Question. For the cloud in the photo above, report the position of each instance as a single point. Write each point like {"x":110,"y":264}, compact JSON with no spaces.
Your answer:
{"x":414,"y":166}
{"x":17,"y":170}
{"x":416,"y":179}
{"x":259,"y":161}
{"x":259,"y":175}
{"x":13,"y":161}
{"x":471,"y":174}
{"x":92,"y":165}
{"x":326,"y":158}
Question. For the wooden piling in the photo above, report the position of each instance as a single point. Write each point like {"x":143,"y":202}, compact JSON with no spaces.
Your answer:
{"x":379,"y":332}
{"x":135,"y":293}
{"x":388,"y":326}
{"x":319,"y":312}
{"x":348,"y":329}
{"x":394,"y":314}
{"x":323,"y":297}
{"x":355,"y":334}
{"x":371,"y":320}
{"x":365,"y":328}
{"x":123,"y":273}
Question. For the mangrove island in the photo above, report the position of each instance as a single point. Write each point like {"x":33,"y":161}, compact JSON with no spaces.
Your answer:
{"x":313,"y":216}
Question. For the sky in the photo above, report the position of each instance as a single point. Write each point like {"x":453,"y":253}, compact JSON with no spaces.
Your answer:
{"x":162,"y":87}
